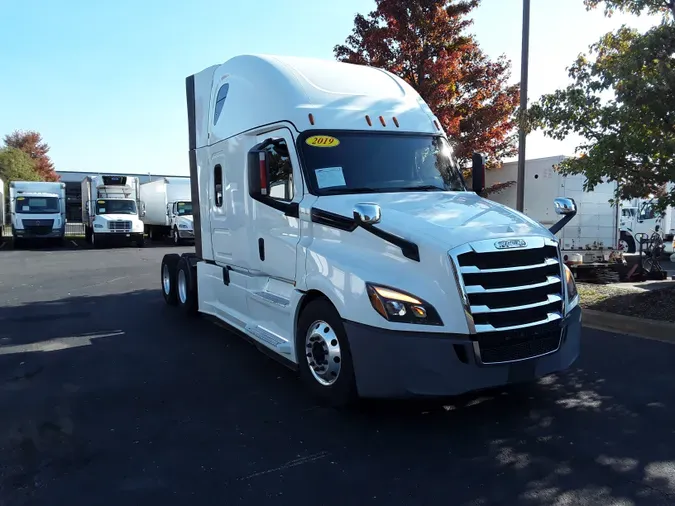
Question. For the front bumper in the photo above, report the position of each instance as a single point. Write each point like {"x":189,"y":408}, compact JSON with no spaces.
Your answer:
{"x":186,"y":234}
{"x":417,"y":364}
{"x":29,"y":233}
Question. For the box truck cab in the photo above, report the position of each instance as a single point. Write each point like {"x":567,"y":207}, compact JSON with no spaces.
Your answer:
{"x":335,"y":231}
{"x":110,"y":210}
{"x":168,"y":209}
{"x":38,"y":210}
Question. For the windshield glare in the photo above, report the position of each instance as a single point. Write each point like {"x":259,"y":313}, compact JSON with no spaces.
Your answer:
{"x":37,"y":205}
{"x":363,"y":162}
{"x":110,"y":206}
{"x":184,"y":208}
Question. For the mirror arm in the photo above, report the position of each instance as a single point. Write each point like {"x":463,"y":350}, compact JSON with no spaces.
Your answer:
{"x":560,"y":224}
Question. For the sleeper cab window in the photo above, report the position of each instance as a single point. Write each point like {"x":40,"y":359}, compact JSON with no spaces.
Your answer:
{"x":281,"y":171}
{"x":220,"y":100}
{"x":218,"y":186}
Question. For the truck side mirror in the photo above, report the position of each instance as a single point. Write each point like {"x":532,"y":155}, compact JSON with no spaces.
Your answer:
{"x":142,"y":209}
{"x":565,"y":206}
{"x":477,"y":173}
{"x":259,"y":173}
{"x":367,"y":214}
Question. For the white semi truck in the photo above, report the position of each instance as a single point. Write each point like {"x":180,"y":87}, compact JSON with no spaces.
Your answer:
{"x":110,"y":211}
{"x":334,"y":230}
{"x":37,"y":210}
{"x":168,"y":209}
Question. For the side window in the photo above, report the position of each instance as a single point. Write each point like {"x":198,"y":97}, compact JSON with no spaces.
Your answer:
{"x":281,"y":171}
{"x":647,"y":212}
{"x":218,"y":185}
{"x":220,"y":100}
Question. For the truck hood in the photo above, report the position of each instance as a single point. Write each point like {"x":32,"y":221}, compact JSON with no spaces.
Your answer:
{"x":448,"y":218}
{"x":115,"y":217}
{"x":185,"y":220}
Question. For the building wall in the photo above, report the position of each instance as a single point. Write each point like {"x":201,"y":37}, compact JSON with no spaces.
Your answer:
{"x":73,"y":182}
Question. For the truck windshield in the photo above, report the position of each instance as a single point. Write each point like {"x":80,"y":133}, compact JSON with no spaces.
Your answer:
{"x":375,"y":162}
{"x":184,"y":208}
{"x":37,"y":205}
{"x":115,"y":206}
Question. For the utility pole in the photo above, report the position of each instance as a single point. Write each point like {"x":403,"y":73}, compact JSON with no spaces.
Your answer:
{"x":524,"y":60}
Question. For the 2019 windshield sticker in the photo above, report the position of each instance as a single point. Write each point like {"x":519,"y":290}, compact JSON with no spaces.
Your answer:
{"x":322,"y":141}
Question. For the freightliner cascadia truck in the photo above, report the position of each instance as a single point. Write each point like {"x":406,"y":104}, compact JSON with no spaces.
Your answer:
{"x":334,"y":230}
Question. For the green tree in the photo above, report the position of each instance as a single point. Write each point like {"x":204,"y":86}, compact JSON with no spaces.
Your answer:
{"x":621,"y":101}
{"x":15,"y":165}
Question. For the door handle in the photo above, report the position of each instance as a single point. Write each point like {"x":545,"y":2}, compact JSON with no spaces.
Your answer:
{"x":261,"y":248}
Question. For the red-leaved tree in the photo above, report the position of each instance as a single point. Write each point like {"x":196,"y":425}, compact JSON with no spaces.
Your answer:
{"x":31,"y":143}
{"x":425,"y":43}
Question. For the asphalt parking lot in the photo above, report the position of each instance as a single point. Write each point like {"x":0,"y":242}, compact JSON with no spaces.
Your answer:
{"x":109,"y":397}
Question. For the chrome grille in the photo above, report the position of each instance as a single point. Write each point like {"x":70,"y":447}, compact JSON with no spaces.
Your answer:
{"x":514,"y":298}
{"x":124,"y":226}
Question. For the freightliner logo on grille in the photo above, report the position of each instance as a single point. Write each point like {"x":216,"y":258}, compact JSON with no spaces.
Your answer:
{"x":510,"y":243}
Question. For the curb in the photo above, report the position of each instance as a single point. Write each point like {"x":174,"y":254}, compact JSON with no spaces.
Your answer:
{"x":636,"y":327}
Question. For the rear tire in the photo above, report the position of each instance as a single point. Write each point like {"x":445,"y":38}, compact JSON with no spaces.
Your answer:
{"x":324,"y":356}
{"x":168,"y":278}
{"x":186,"y":287}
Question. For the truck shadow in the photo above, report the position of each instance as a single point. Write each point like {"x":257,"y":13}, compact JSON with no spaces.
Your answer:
{"x":121,"y":393}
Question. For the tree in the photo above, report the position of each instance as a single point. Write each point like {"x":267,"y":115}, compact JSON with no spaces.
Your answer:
{"x":424,"y":42}
{"x":31,"y":142}
{"x":621,"y":102}
{"x":636,"y":7}
{"x":15,"y":165}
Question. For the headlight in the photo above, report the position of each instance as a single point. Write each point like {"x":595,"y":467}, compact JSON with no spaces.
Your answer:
{"x":401,"y":307}
{"x":570,"y":289}
{"x":98,"y":225}
{"x":182,"y":226}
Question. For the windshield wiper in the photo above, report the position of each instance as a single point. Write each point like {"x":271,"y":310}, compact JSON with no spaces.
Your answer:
{"x":421,"y":188}
{"x":343,"y":191}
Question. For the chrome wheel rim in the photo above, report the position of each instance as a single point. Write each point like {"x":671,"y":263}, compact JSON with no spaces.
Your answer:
{"x":322,"y":349}
{"x":182,"y":286}
{"x":166,"y":279}
{"x":175,"y":236}
{"x":623,"y":245}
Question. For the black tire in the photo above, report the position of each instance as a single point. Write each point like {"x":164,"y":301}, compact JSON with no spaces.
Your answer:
{"x":168,"y":278}
{"x":186,"y":287}
{"x":342,"y":392}
{"x":140,"y":242}
{"x":17,"y":243}
{"x":87,"y":234}
{"x":630,"y":242}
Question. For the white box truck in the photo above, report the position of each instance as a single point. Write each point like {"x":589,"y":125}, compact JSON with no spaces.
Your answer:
{"x":3,"y":204}
{"x":334,"y":230}
{"x":595,"y":227}
{"x":37,"y":210}
{"x":110,"y":211}
{"x":640,"y":216}
{"x":168,"y":209}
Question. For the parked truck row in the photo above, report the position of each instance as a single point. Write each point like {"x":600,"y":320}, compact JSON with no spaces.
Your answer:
{"x":339,"y":236}
{"x":115,"y":209}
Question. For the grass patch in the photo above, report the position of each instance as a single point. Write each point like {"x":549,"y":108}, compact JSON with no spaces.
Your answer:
{"x":657,"y":304}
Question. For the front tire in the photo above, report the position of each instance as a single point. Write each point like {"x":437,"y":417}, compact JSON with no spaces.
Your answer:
{"x":324,"y":356}
{"x":186,"y":287}
{"x":627,"y":242}
{"x":176,"y":237}
{"x":168,"y":278}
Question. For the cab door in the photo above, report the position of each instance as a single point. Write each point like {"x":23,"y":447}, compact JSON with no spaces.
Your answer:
{"x":274,"y":236}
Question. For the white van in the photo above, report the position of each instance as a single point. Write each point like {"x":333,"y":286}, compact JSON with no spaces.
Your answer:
{"x":334,"y":230}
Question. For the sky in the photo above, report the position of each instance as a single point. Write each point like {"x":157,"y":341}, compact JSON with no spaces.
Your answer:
{"x":104,"y":82}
